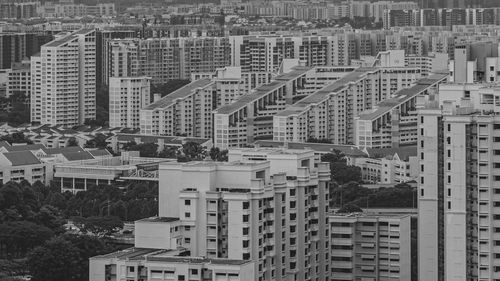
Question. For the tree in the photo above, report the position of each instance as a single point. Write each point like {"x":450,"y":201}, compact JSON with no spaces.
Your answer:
{"x":169,"y":152}
{"x":56,"y":260}
{"x":350,"y":208}
{"x":17,"y":137}
{"x":217,"y":155}
{"x":194,"y":151}
{"x":100,"y":226}
{"x":99,"y":141}
{"x":17,"y":237}
{"x":315,"y":140}
{"x":72,"y":142}
{"x":341,"y":173}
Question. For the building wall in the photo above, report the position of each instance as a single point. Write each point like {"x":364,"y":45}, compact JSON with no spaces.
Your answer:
{"x":127,"y":96}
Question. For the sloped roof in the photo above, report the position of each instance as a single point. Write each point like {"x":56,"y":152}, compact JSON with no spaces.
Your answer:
{"x":404,"y":152}
{"x":26,"y":147}
{"x":61,"y":150}
{"x":80,"y":155}
{"x":21,"y":158}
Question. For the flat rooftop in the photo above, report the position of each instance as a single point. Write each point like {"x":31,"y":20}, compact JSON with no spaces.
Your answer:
{"x":402,"y":96}
{"x":179,"y":94}
{"x":348,"y":150}
{"x":167,"y":256}
{"x":263,"y":90}
{"x":323,"y":93}
{"x":159,"y":219}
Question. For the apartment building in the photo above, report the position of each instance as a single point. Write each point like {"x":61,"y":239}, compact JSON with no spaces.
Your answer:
{"x":393,"y":122}
{"x":118,"y":140}
{"x":329,"y":113}
{"x":265,"y":207}
{"x":127,"y":96}
{"x":187,"y":111}
{"x":61,"y":10}
{"x":63,"y":80}
{"x":165,"y":59}
{"x":370,"y":247}
{"x":17,"y":46}
{"x":458,"y":146}
{"x":250,"y":117}
{"x":145,"y":264}
{"x":19,"y":79}
{"x":440,"y":17}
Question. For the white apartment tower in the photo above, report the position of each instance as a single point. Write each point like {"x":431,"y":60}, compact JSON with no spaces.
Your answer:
{"x":127,"y":96}
{"x":459,"y":189}
{"x":63,"y":80}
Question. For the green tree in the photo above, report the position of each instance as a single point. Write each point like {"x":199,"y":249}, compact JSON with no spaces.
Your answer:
{"x":218,"y":155}
{"x":194,"y":151}
{"x":169,"y":152}
{"x":341,"y":173}
{"x":72,"y":142}
{"x":145,"y":149}
{"x":100,"y":226}
{"x":56,"y":260}
{"x":350,"y":208}
{"x":99,"y":141}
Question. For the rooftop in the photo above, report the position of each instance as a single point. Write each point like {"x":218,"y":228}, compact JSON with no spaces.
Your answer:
{"x":179,"y":94}
{"x":402,"y":96}
{"x":21,"y":158}
{"x":67,"y":38}
{"x":159,"y":219}
{"x":404,"y":152}
{"x":323,"y":93}
{"x":261,"y":91}
{"x":160,"y":255}
{"x":348,"y":150}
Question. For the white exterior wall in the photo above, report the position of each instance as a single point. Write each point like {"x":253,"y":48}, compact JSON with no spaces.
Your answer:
{"x":127,"y":96}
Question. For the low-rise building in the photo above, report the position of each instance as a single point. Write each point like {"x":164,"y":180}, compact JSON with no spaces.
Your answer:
{"x":21,"y":165}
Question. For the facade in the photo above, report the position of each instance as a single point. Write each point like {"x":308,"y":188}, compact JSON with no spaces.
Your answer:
{"x":370,"y":247}
{"x":458,"y":148}
{"x":329,"y":113}
{"x":18,"y":9}
{"x":63,"y":80}
{"x":165,"y":59}
{"x":441,"y":17}
{"x":21,"y":165}
{"x":393,"y":122}
{"x":253,"y":210}
{"x":127,"y":96}
{"x":19,"y":79}
{"x":17,"y":46}
{"x":250,"y":118}
{"x":62,"y":10}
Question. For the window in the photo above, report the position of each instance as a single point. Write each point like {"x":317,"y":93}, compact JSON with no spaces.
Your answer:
{"x":422,"y":119}
{"x":292,"y":191}
{"x":422,"y":192}
{"x":245,"y":230}
{"x":187,"y":215}
{"x":194,"y":271}
{"x":245,"y":218}
{"x":449,"y":191}
{"x":422,"y":180}
{"x":449,"y":153}
{"x":187,"y":202}
{"x":246,"y":243}
{"x":449,"y":205}
{"x":449,"y":127}
{"x":246,"y":205}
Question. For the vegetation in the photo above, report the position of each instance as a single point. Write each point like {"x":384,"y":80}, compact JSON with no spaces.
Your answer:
{"x":16,"y":138}
{"x":190,"y":151}
{"x":15,"y":109}
{"x":168,"y":88}
{"x":32,"y":219}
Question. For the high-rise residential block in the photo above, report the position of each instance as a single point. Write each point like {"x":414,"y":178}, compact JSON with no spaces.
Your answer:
{"x":260,"y":216}
{"x":459,"y":148}
{"x":370,"y":247}
{"x":15,"y":47}
{"x":127,"y":96}
{"x":19,"y":79}
{"x":393,"y":122}
{"x":164,"y":59}
{"x":330,"y":112}
{"x":63,"y":80}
